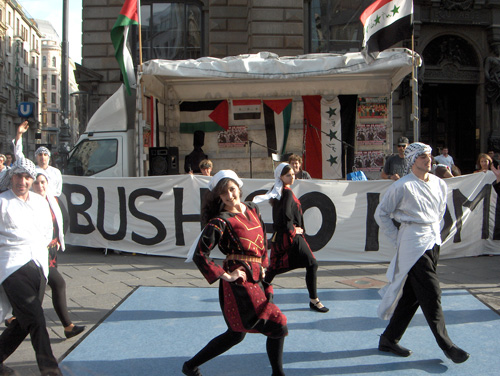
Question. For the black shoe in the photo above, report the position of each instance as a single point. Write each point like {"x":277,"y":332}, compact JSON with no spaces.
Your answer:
{"x":74,"y":331}
{"x":456,"y":354}
{"x":190,"y":371}
{"x":314,"y":307}
{"x":53,"y":372}
{"x":6,"y":371}
{"x":388,"y":346}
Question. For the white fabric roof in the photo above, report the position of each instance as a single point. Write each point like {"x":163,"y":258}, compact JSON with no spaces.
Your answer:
{"x":266,"y":74}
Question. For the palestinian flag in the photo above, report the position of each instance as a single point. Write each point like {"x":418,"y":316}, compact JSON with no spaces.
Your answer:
{"x":246,"y":109}
{"x":385,"y":23}
{"x":119,"y":33}
{"x":206,"y":116}
{"x":323,"y":132}
{"x":277,"y":115}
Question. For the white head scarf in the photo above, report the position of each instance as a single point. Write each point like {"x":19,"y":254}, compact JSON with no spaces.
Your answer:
{"x":277,"y":189}
{"x":20,"y":166}
{"x":222,"y":174}
{"x":42,"y":150}
{"x":413,"y":151}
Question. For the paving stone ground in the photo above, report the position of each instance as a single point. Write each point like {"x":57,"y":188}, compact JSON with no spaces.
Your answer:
{"x":96,"y":283}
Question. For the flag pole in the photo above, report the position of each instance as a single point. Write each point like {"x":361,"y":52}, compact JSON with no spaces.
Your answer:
{"x":140,"y":33}
{"x":414,"y":89}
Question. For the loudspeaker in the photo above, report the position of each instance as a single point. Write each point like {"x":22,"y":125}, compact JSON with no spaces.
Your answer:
{"x":163,"y":161}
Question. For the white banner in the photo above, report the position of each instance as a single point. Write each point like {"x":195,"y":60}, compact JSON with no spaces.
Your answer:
{"x":161,"y":215}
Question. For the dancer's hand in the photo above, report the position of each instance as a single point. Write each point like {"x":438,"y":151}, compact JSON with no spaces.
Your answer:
{"x":235,"y":275}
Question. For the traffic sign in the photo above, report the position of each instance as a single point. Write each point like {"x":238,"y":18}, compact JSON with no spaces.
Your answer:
{"x":25,"y":109}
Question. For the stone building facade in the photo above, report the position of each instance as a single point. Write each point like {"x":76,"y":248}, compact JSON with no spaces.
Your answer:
{"x":459,"y":41}
{"x":20,"y":67}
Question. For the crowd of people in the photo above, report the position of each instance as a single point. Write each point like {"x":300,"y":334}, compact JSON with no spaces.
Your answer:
{"x":443,"y":164}
{"x":417,"y":200}
{"x":32,"y":235}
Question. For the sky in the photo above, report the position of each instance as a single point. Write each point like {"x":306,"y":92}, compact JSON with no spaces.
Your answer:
{"x":51,"y":10}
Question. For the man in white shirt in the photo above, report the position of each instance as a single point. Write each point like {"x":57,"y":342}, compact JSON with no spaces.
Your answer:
{"x":25,"y":232}
{"x":418,"y":202}
{"x":42,"y":155}
{"x":444,"y":158}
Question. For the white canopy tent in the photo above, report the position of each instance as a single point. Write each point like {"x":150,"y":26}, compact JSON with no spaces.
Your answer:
{"x":267,"y":75}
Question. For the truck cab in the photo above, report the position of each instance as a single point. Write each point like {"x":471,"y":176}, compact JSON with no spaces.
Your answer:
{"x":105,"y":154}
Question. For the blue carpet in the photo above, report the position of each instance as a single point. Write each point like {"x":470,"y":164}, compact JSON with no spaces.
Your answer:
{"x":156,"y":329}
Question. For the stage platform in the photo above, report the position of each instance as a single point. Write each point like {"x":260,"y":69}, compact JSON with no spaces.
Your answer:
{"x":156,"y":329}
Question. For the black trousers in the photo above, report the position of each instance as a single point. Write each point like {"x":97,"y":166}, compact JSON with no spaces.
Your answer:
{"x":421,"y":289}
{"x":58,"y":286}
{"x":25,"y":289}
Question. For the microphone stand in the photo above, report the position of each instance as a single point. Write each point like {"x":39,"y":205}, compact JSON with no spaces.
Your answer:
{"x":250,"y":142}
{"x":341,"y":141}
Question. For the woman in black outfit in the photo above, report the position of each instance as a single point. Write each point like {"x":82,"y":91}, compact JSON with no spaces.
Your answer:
{"x":245,"y":299}
{"x":289,"y":248}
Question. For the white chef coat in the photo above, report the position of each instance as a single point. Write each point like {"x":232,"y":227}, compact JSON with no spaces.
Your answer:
{"x":25,"y":232}
{"x":419,"y":206}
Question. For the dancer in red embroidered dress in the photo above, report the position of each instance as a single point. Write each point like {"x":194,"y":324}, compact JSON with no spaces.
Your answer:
{"x":289,"y":248}
{"x":245,"y":298}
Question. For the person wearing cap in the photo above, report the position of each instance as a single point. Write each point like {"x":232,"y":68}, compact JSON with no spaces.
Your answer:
{"x":289,"y":248}
{"x":245,"y":298}
{"x":25,"y":232}
{"x":55,"y":280}
{"x":418,"y":202}
{"x":394,"y":167}
{"x":445,"y":158}
{"x":42,"y":155}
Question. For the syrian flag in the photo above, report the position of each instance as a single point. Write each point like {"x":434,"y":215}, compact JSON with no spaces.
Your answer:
{"x":385,"y":23}
{"x":323,"y":132}
{"x":119,"y":33}
{"x":277,"y":115}
{"x":246,"y":109}
{"x":206,"y":116}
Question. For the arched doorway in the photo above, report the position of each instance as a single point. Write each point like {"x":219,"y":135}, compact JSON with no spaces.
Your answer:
{"x":448,"y":99}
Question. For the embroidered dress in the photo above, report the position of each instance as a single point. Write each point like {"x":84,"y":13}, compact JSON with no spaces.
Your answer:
{"x":246,"y":306}
{"x":289,"y":250}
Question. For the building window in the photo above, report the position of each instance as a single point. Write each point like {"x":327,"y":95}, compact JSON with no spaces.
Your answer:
{"x":53,"y":119}
{"x":334,"y":25}
{"x":54,"y":61}
{"x":53,"y":80}
{"x":53,"y":98}
{"x":44,"y":61}
{"x":171,"y":30}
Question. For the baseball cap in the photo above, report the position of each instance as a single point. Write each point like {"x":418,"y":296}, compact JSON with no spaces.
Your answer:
{"x":403,"y":141}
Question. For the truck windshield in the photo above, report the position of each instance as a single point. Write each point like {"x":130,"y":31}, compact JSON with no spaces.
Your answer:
{"x":92,"y":156}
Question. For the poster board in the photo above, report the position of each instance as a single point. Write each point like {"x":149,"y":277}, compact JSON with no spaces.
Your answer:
{"x":371,"y":135}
